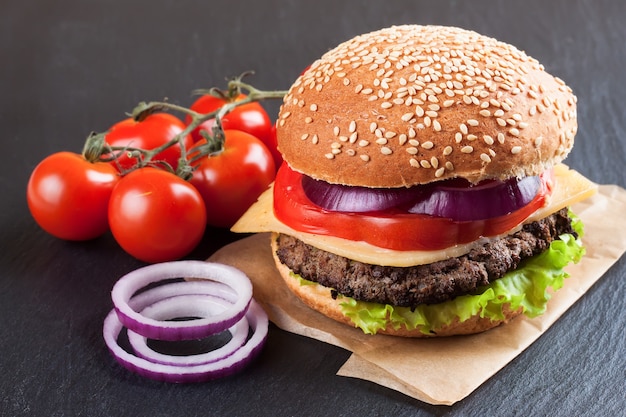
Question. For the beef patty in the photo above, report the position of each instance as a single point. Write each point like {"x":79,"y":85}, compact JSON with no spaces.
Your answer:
{"x":422,"y":284}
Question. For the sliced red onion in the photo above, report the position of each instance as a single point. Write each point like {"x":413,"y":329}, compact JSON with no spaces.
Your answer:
{"x":338,"y":197}
{"x":178,"y":306}
{"x":190,"y":287}
{"x":139,"y":279}
{"x":195,"y":373}
{"x":457,"y":200}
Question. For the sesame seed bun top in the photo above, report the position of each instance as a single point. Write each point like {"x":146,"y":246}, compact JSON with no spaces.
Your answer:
{"x":411,"y":104}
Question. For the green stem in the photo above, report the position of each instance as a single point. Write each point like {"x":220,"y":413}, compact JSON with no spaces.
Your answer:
{"x":215,"y":139}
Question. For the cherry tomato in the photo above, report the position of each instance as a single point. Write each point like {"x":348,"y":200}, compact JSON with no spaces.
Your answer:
{"x":391,"y":229}
{"x":273,"y":147}
{"x":156,"y":216}
{"x":251,"y":118}
{"x":150,"y":133}
{"x":68,"y":196}
{"x":232,"y":180}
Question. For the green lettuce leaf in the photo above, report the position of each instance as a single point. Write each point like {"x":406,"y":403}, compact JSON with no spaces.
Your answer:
{"x":526,"y":287}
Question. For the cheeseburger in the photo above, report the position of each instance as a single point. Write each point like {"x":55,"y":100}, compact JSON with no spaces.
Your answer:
{"x":422,"y":192}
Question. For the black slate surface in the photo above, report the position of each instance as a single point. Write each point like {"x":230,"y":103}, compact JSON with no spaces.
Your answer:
{"x":69,"y":67}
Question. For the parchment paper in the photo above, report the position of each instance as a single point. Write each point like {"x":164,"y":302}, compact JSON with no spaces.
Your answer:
{"x":443,"y":370}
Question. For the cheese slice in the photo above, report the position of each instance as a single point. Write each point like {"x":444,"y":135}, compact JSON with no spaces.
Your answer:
{"x":569,"y":188}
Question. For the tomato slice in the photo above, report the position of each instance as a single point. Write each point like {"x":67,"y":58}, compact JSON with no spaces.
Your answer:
{"x":391,"y":229}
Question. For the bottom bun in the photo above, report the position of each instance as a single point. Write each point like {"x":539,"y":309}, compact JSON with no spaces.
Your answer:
{"x":319,"y":298}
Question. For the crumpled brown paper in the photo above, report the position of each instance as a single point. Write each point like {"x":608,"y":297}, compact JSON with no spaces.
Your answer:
{"x":443,"y":370}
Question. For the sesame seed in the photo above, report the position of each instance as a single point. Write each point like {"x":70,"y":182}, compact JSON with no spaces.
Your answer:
{"x":428,"y":145}
{"x":485,"y":113}
{"x":353,"y":137}
{"x":538,"y":141}
{"x":336,"y":151}
{"x":305,"y":136}
{"x":373,"y":127}
{"x":414,"y":142}
{"x":336,"y":130}
{"x":364,"y":158}
{"x":501,"y":137}
{"x":432,"y":114}
{"x":329,"y":156}
{"x":472,"y":122}
{"x":352,"y":126}
{"x":434,"y":162}
{"x":425,"y":164}
{"x":363,"y":143}
{"x":315,"y":140}
{"x":390,"y":134}
{"x":514,"y":131}
{"x":447,"y":150}
{"x":412,"y":133}
{"x":458,"y":137}
{"x":336,"y":145}
{"x":485,"y":158}
{"x":414,"y":163}
{"x":471,"y":137}
{"x":449,"y":166}
{"x":463,"y":128}
{"x":412,"y":150}
{"x":308,"y":120}
{"x":381,"y":141}
{"x":402,"y":139}
{"x":501,"y":122}
{"x":467,"y":149}
{"x":439,"y":173}
{"x":285,"y":115}
{"x":436,"y":126}
{"x":488,"y":139}
{"x":516,"y":149}
{"x":386,"y":151}
{"x":448,"y":103}
{"x":406,"y":117}
{"x":498,"y":113}
{"x":419,"y":111}
{"x":386,"y":105}
{"x":313,"y":107}
{"x":351,"y":152}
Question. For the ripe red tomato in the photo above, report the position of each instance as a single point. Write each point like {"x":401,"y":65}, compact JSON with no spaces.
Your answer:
{"x":156,"y":216}
{"x":273,"y":147}
{"x":251,"y":118}
{"x":68,"y":196}
{"x":391,"y":229}
{"x":150,"y":133}
{"x":231,"y":181}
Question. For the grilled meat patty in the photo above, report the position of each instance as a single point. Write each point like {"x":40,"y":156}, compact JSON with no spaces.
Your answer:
{"x":422,"y":284}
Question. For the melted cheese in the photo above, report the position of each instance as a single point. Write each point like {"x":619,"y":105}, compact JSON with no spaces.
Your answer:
{"x":569,"y":188}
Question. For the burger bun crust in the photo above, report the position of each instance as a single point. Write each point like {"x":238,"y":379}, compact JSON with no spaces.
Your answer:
{"x":410,"y":105}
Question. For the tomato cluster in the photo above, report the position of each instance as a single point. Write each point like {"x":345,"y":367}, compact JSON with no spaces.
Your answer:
{"x":154,"y":214}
